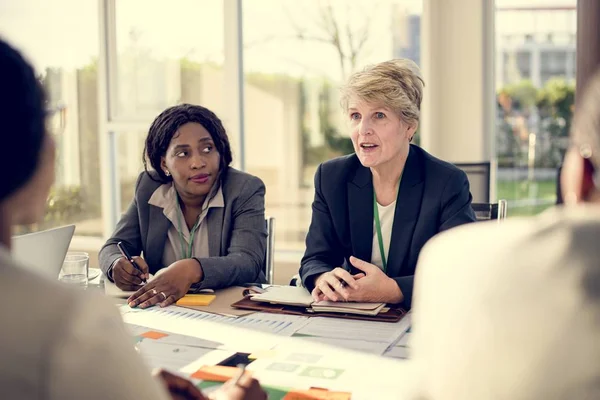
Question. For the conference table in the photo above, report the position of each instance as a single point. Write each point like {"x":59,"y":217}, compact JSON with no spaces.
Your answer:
{"x":365,"y":358}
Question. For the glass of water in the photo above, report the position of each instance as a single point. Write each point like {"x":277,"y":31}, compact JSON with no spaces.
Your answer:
{"x":75,"y":269}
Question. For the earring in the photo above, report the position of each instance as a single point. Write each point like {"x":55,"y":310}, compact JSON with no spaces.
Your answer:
{"x":167,"y":173}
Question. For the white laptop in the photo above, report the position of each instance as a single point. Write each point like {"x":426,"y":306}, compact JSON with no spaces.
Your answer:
{"x":43,"y":252}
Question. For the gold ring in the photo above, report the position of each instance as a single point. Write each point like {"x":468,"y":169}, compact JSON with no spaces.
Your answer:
{"x":154,"y":292}
{"x":164,"y":295}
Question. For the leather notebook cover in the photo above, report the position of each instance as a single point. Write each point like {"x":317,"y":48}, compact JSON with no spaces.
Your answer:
{"x":391,"y":315}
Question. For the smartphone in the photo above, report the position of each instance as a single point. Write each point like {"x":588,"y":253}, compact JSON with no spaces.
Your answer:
{"x":126,"y":254}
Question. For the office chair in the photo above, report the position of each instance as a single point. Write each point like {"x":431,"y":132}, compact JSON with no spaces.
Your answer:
{"x":269,"y":260}
{"x":479,"y":180}
{"x":490,"y":211}
{"x":559,"y":199}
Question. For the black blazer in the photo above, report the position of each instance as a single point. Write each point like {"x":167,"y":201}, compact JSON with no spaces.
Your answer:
{"x":433,"y":196}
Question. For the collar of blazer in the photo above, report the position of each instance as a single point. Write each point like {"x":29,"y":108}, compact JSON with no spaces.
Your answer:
{"x":408,"y":206}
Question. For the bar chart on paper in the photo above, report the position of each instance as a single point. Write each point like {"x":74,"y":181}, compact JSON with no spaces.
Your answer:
{"x":249,"y":338}
{"x":169,"y":350}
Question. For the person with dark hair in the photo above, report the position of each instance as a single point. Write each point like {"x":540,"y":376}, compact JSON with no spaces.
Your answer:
{"x":60,"y":343}
{"x":195,"y":218}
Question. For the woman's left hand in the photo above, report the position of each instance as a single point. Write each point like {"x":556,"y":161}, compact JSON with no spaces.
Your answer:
{"x":375,"y":286}
{"x":168,"y":287}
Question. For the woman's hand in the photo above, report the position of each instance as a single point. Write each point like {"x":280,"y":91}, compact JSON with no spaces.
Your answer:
{"x":126,"y":276}
{"x":168,"y":287}
{"x":179,"y":388}
{"x":375,"y":286}
{"x":333,"y":285}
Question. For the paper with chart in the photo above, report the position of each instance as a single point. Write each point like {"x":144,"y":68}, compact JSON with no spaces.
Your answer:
{"x":255,"y":332}
{"x":400,"y":348}
{"x":367,"y":336}
{"x":301,"y":364}
{"x":171,"y":351}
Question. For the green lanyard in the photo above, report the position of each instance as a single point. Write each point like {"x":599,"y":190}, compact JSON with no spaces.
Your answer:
{"x":378,"y":229}
{"x":190,"y":250}
{"x":378,"y":224}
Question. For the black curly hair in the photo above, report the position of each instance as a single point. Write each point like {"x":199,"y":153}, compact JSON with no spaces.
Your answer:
{"x":169,"y":121}
{"x":23,"y":116}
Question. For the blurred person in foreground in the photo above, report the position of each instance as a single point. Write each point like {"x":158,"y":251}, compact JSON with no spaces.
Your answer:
{"x":375,"y":209}
{"x":512,"y":311}
{"x":58,"y":343}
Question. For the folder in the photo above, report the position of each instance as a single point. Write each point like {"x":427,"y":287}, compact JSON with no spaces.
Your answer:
{"x":222,"y":303}
{"x":298,"y":296}
{"x":387,"y":314}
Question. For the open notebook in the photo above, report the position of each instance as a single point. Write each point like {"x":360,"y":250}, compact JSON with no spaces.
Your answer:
{"x":297,"y":296}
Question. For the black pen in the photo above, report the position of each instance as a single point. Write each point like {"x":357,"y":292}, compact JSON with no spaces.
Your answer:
{"x":125,"y":253}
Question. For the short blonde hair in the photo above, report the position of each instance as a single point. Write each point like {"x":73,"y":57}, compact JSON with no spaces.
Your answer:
{"x":396,"y":84}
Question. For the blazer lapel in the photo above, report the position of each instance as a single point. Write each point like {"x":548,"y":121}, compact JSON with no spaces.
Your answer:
{"x":215,"y":229}
{"x":157,"y":237}
{"x":408,"y":207}
{"x":360,"y":213}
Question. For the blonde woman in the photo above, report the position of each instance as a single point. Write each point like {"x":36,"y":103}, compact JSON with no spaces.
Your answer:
{"x":374,"y":210}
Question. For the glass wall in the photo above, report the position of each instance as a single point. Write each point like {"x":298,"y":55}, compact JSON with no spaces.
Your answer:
{"x":171,"y":53}
{"x":535,"y":85}
{"x":66,"y":63}
{"x":296,"y":55}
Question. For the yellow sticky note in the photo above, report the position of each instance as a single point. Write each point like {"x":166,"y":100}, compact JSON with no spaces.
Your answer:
{"x":262,"y":354}
{"x":196,"y":300}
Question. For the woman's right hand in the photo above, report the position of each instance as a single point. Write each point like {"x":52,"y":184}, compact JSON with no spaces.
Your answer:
{"x":126,"y":276}
{"x":332,"y":285}
{"x":247,"y":388}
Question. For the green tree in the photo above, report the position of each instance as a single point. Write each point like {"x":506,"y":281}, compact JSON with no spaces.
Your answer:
{"x":555,"y":105}
{"x":523,"y":94}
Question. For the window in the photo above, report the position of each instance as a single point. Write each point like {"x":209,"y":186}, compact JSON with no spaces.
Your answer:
{"x":534,"y":102}
{"x":293,"y":69}
{"x":66,"y":64}
{"x":171,"y":53}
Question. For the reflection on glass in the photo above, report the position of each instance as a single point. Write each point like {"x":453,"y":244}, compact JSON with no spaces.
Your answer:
{"x":130,"y":147}
{"x":159,"y":49}
{"x":66,"y":64}
{"x":296,"y":56}
{"x":535,"y":82}
{"x":171,"y":53}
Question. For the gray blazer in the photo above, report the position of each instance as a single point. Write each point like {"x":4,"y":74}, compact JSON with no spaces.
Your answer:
{"x":237,"y":233}
{"x":62,"y":343}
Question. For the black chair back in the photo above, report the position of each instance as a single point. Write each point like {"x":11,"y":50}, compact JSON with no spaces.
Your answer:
{"x":479,"y":180}
{"x":490,"y":211}
{"x":559,"y":199}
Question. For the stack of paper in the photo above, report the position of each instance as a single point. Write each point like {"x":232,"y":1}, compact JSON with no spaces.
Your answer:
{"x":350,"y":308}
{"x":297,"y":296}
{"x":287,"y":295}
